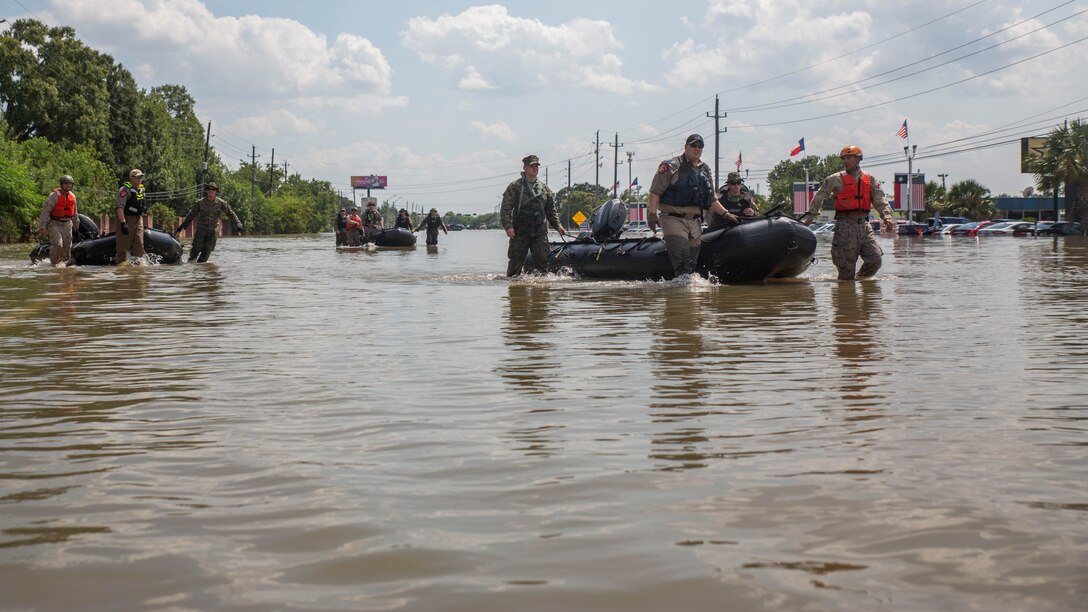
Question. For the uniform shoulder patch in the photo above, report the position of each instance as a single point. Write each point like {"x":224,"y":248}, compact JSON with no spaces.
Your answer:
{"x":124,"y":192}
{"x":663,"y":168}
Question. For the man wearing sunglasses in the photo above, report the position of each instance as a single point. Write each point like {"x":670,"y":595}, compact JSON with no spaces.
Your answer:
{"x":682,"y":192}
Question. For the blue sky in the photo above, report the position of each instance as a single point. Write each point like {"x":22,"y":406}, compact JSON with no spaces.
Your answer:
{"x":445,"y":98}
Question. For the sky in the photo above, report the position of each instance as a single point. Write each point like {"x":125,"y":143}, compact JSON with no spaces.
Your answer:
{"x":446,"y":98}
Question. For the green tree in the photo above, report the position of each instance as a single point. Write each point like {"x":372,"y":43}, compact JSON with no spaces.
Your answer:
{"x":782,"y":177}
{"x":19,"y":199}
{"x":970,"y":199}
{"x":1065,"y":163}
{"x":936,"y":198}
{"x":53,"y":86}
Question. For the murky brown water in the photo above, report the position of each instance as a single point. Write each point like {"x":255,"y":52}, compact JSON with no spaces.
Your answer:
{"x":293,"y":428}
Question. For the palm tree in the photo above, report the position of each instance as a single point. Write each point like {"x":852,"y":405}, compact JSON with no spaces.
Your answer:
{"x":1065,"y":162}
{"x":969,"y":199}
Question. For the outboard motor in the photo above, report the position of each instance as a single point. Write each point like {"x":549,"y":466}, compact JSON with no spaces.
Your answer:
{"x":607,"y":222}
{"x":86,"y":229}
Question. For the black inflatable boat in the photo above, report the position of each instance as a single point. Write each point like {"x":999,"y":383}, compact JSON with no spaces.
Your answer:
{"x":768,"y":246}
{"x":90,"y":249}
{"x":395,"y":237}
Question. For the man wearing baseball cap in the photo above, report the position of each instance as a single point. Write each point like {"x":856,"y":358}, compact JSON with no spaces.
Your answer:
{"x":735,"y":197}
{"x":682,"y":192}
{"x":528,"y":207}
{"x":131,"y":208}
{"x":207,"y":211}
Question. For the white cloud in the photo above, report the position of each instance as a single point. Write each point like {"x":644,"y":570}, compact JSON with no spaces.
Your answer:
{"x":274,"y":122}
{"x":496,"y":50}
{"x":473,"y":81}
{"x":182,"y":41}
{"x":499,"y":130}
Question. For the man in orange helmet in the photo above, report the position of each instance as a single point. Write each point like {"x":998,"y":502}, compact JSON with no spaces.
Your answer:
{"x":855,"y":192}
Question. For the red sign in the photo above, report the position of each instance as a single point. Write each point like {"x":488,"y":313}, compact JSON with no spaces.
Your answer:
{"x":369,"y":182}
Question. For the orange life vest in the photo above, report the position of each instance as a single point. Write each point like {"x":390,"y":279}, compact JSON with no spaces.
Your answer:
{"x":856,"y":196}
{"x":65,"y":208}
{"x":353,"y":222}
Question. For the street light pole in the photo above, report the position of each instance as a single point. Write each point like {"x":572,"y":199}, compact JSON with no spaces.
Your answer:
{"x":910,"y":152}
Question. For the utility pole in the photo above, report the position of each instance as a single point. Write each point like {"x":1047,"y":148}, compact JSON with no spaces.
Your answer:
{"x":204,"y":168}
{"x":616,"y":165}
{"x":253,"y":170}
{"x":943,"y":176}
{"x":717,"y":141}
{"x":630,"y":156}
{"x":910,"y":152}
{"x":271,"y":173}
{"x":597,"y":162}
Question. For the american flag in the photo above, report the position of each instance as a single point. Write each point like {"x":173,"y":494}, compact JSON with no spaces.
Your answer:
{"x":917,"y":193}
{"x":902,"y":133}
{"x":800,"y":201}
{"x":740,"y":155}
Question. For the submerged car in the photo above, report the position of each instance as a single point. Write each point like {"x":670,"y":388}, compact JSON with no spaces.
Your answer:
{"x":1009,"y":228}
{"x":1061,"y":228}
{"x":971,"y":229}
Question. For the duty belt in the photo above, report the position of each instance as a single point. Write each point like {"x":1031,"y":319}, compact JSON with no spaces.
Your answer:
{"x":61,"y":218}
{"x":682,"y":215}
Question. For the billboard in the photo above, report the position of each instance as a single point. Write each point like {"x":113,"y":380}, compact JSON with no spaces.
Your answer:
{"x":369,"y":181}
{"x":800,"y":200}
{"x":1030,"y":147}
{"x":918,"y":192}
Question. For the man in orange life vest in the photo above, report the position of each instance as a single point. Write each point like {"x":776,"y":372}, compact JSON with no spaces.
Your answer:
{"x":855,"y":192}
{"x":58,"y":219}
{"x":353,"y":225}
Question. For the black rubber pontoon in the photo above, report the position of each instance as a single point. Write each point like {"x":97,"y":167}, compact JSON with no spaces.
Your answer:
{"x":90,"y":249}
{"x":759,"y":248}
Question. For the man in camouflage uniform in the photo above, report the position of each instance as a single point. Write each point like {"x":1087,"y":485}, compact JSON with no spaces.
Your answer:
{"x":683,"y":190}
{"x":131,"y":208}
{"x":735,"y":197}
{"x":433,"y":223}
{"x":58,"y":219}
{"x":528,"y":207}
{"x":207,"y":212}
{"x":855,"y":193}
{"x":372,"y":222}
{"x":340,"y":227}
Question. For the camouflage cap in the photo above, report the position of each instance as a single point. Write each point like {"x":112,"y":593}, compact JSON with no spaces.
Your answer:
{"x":212,"y":185}
{"x":529,"y":160}
{"x":733,"y":178}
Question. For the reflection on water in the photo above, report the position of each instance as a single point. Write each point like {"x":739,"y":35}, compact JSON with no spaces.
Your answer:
{"x":857,"y":321}
{"x":294,"y":428}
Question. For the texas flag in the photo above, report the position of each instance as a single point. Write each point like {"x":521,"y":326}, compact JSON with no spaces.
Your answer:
{"x":634,"y":183}
{"x":799,"y":148}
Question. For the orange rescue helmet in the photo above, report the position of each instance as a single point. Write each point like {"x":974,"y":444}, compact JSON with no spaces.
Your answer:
{"x":850,"y":150}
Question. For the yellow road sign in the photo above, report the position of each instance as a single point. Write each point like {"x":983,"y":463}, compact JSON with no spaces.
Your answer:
{"x":579,"y":217}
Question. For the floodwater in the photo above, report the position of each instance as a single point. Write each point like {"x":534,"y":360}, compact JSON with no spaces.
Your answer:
{"x":289,"y":427}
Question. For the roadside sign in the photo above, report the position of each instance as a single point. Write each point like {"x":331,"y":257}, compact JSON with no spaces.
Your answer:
{"x":579,"y":218}
{"x":1031,"y":147}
